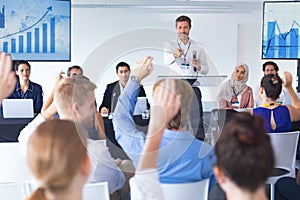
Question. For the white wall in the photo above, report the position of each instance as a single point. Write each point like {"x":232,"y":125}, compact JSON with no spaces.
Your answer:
{"x":101,"y":37}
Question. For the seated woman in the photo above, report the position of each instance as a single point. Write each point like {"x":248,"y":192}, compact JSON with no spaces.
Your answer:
{"x":234,"y":93}
{"x":244,"y":158}
{"x":25,"y":89}
{"x":278,"y":118}
{"x":57,"y":157}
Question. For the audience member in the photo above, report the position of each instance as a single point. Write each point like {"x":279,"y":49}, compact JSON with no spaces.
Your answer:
{"x":7,"y":76}
{"x":145,"y":184}
{"x":234,"y":93}
{"x":244,"y":158}
{"x":271,"y":67}
{"x":75,"y":70}
{"x":113,"y":90}
{"x":188,"y":57}
{"x":182,"y":158}
{"x":26,"y":89}
{"x":288,"y":188}
{"x":278,"y":118}
{"x":58,"y":159}
{"x":74,"y":100}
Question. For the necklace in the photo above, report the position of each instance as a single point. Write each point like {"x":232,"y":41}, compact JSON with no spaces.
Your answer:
{"x":269,"y":104}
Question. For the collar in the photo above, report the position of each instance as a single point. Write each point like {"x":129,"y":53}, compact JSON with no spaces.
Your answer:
{"x":269,"y":104}
{"x":30,"y":86}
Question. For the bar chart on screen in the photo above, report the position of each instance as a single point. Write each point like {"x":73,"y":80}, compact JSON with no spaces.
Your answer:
{"x":281,"y":30}
{"x":35,"y":29}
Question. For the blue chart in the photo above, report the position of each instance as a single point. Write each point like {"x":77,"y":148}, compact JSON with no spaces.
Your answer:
{"x":281,"y":30}
{"x":42,"y":33}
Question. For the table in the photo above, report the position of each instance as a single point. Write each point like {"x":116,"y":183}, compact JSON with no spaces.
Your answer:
{"x":10,"y":128}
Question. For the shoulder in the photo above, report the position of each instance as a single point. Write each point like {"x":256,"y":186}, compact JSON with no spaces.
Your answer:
{"x":196,"y":43}
{"x":112,"y":85}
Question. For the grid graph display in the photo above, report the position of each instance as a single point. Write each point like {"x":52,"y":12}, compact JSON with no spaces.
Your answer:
{"x":35,"y":29}
{"x":281,"y":30}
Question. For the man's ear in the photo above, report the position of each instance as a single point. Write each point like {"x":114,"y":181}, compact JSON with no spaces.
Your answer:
{"x":219,"y":174}
{"x":75,"y":108}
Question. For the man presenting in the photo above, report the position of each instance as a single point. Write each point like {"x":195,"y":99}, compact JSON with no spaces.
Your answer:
{"x":183,"y":54}
{"x":188,"y":57}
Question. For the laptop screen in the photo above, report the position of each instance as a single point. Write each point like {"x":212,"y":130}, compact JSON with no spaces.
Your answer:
{"x":17,"y":108}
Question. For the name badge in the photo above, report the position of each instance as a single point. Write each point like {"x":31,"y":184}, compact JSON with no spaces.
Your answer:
{"x":236,"y":104}
{"x":185,"y":66}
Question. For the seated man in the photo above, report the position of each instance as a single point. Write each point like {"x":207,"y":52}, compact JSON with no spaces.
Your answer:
{"x":74,"y":100}
{"x":271,"y":67}
{"x":113,"y":90}
{"x":182,"y":158}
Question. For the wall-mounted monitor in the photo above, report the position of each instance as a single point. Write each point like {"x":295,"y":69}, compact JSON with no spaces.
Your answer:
{"x":36,"y":30}
{"x":281,"y":23}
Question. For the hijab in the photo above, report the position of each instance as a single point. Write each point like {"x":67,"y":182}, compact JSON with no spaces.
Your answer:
{"x":233,"y":85}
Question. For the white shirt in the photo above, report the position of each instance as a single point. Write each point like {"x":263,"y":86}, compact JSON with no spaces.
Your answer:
{"x":191,"y":46}
{"x":103,"y":166}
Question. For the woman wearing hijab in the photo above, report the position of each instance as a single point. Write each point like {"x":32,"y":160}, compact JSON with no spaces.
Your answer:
{"x":234,"y":93}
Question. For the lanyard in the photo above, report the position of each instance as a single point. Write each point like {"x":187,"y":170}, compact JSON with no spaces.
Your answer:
{"x":234,"y":93}
{"x":184,"y":55}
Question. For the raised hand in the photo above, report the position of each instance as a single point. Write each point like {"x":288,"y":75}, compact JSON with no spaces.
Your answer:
{"x":7,"y":76}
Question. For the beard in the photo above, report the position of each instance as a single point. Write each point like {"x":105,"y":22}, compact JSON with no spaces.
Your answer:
{"x":183,"y":36}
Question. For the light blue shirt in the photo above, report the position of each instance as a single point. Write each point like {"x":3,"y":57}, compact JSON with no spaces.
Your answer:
{"x":182,"y":157}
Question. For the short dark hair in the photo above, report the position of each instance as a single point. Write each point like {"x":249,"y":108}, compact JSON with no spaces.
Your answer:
{"x":270,"y":63}
{"x":74,"y":67}
{"x":244,"y":152}
{"x":19,"y":62}
{"x":272,"y":85}
{"x":184,"y":18}
{"x":122,"y":64}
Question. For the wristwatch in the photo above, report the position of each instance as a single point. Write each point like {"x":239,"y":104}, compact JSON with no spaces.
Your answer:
{"x":134,"y":78}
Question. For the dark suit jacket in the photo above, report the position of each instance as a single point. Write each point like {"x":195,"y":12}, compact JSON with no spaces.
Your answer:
{"x":112,"y":94}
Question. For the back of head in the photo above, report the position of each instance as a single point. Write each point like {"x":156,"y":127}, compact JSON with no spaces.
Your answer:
{"x":184,"y":89}
{"x":272,"y":85}
{"x":70,"y":90}
{"x":244,"y":152}
{"x":56,"y":150}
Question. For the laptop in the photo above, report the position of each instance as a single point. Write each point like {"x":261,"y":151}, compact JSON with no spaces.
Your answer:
{"x":140,"y":106}
{"x":17,"y":108}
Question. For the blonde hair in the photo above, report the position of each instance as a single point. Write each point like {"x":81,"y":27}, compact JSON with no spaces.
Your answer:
{"x":70,"y":90}
{"x":56,"y":150}
{"x":185,"y":91}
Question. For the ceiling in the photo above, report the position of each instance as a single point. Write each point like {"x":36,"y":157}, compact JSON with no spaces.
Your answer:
{"x":229,"y":6}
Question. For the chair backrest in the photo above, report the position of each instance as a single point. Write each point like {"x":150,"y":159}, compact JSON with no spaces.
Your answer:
{"x":96,"y":191}
{"x":195,"y":190}
{"x":15,"y":191}
{"x":13,"y":167}
{"x":90,"y":190}
{"x":285,"y":147}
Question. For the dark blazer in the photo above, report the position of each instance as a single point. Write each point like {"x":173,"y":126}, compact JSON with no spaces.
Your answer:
{"x":112,"y":93}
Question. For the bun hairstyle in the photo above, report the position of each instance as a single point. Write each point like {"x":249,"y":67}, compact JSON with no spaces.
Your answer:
{"x":272,"y":85}
{"x":244,"y":152}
